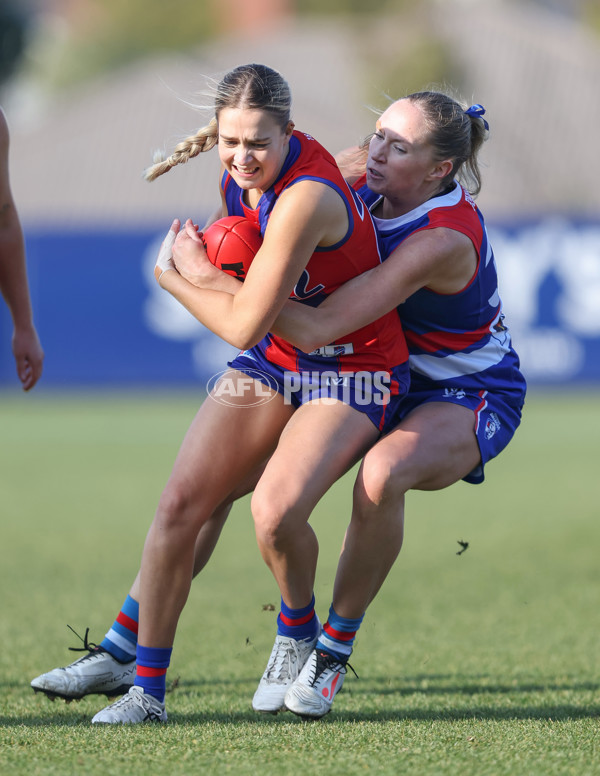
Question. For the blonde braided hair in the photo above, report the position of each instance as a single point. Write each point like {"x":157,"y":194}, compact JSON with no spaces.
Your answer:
{"x":204,"y":139}
{"x":248,"y":86}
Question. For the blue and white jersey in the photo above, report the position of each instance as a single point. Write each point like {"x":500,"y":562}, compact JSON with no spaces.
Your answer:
{"x":456,"y":341}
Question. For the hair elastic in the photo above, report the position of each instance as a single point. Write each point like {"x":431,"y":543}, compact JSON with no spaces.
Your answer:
{"x":476,"y":111}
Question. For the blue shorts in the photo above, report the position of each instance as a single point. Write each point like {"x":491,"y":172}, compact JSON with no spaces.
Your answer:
{"x":497,"y":417}
{"x":377,"y":394}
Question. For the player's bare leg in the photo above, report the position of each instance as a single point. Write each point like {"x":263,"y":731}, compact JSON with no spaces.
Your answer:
{"x":100,"y":672}
{"x":210,"y":532}
{"x":221,"y":450}
{"x":109,"y":668}
{"x":432,"y":448}
{"x":223,"y":447}
{"x":318,"y":445}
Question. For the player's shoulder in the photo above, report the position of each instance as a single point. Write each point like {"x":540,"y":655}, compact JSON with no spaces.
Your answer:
{"x":443,"y":241}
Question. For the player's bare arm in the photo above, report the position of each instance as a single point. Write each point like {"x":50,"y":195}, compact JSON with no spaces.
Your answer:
{"x":441,"y":259}
{"x":305,"y":216}
{"x":13,"y":278}
{"x":14,"y":286}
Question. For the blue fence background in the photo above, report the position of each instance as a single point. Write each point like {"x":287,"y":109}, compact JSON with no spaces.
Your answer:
{"x":103,"y":321}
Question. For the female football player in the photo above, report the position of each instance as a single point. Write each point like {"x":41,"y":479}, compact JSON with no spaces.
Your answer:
{"x":333,"y":402}
{"x":467,"y":391}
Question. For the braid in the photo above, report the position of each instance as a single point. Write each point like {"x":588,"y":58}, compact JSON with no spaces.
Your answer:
{"x":203,"y":140}
{"x":255,"y":87}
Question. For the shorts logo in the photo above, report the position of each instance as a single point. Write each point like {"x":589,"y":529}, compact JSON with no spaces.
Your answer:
{"x":492,"y":425}
{"x":456,"y":393}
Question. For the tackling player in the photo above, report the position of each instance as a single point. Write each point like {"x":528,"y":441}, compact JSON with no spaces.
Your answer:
{"x":467,"y":391}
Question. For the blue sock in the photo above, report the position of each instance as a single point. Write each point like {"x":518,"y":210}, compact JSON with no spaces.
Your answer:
{"x":121,"y":639}
{"x":338,"y":634}
{"x":298,"y":623}
{"x":151,"y":670}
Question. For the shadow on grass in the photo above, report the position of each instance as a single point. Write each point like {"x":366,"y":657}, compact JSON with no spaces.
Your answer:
{"x":558,"y":713}
{"x":393,"y":692}
{"x":426,"y":684}
{"x":548,"y":713}
{"x":456,"y":685}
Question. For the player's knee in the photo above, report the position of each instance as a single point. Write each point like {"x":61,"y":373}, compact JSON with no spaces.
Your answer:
{"x":178,"y":514}
{"x":381,"y":480}
{"x":273,"y":518}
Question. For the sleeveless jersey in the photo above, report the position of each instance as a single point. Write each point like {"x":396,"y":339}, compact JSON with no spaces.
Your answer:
{"x":457,"y":341}
{"x":378,"y":346}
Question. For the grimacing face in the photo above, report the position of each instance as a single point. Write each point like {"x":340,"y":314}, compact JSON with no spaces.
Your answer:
{"x":252,"y":146}
{"x":400,"y":163}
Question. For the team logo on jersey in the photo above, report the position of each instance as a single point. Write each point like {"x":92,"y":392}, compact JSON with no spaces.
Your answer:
{"x":500,"y":326}
{"x":301,"y":289}
{"x":454,"y":393}
{"x":492,"y":425}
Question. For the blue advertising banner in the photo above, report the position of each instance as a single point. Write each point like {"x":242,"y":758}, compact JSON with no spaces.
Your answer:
{"x":550,"y":287}
{"x":104,"y":321}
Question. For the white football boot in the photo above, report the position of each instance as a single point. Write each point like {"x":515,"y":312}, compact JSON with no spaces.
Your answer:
{"x":131,"y":709}
{"x":312,"y":694}
{"x":288,"y":657}
{"x":98,"y":672}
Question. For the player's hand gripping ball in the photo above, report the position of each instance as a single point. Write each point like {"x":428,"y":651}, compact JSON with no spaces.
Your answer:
{"x":231,"y":244}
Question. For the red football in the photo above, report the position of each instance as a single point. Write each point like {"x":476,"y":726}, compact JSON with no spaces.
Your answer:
{"x":231,"y":244}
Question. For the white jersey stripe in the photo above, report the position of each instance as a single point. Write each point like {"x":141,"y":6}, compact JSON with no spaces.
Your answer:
{"x":454,"y":365}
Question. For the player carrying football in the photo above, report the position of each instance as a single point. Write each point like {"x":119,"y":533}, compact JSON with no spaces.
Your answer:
{"x":317,"y":234}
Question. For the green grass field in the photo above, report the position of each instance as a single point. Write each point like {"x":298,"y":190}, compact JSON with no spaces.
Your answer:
{"x":484,"y":663}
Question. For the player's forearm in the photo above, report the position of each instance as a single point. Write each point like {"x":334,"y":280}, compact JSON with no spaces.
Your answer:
{"x":14,"y":286}
{"x":304,"y":327}
{"x":216,"y":309}
{"x":215,"y":281}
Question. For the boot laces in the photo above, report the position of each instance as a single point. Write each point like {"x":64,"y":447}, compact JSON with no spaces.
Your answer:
{"x":88,"y":646}
{"x":326,"y":662}
{"x":283,"y":657}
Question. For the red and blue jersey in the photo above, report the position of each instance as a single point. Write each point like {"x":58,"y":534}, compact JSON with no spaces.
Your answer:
{"x":378,"y":346}
{"x":457,"y":341}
